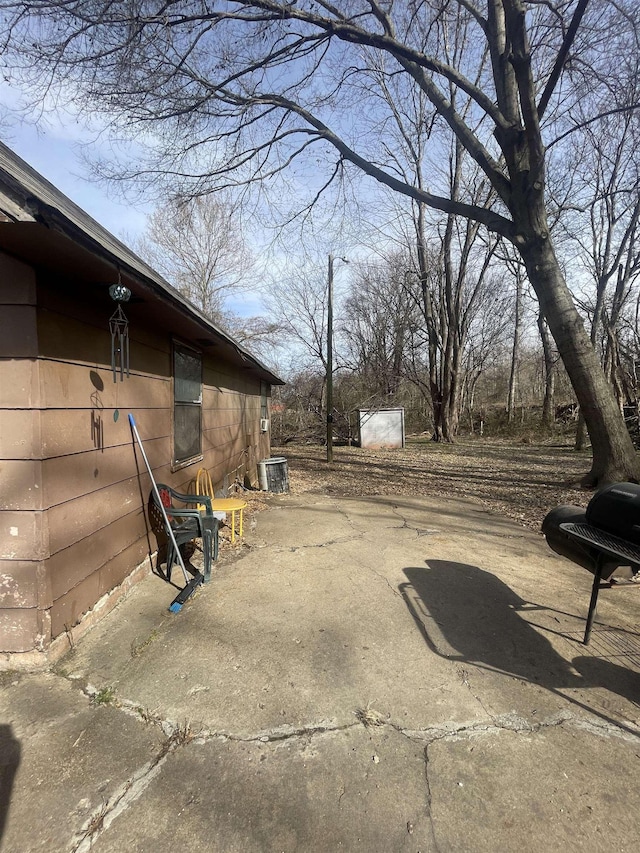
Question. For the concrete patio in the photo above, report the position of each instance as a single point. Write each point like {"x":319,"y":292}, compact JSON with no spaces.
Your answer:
{"x":370,"y":674}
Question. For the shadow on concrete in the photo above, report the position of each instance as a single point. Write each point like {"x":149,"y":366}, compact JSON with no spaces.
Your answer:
{"x":599,"y":672}
{"x":470,"y":615}
{"x":9,"y":762}
{"x":467,"y":614}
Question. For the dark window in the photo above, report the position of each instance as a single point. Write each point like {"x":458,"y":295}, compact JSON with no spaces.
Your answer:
{"x":264,"y":400}
{"x":187,"y":403}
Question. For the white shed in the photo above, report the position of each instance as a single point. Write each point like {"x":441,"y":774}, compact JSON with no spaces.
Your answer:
{"x":379,"y":428}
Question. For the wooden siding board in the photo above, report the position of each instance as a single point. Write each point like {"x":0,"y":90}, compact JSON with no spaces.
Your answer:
{"x":63,"y":338}
{"x":74,"y":520}
{"x":18,"y":332}
{"x":82,"y":311}
{"x":66,"y":478}
{"x":232,"y":410}
{"x":69,"y":609}
{"x":69,"y":386}
{"x":20,"y":629}
{"x":21,"y":484}
{"x":19,"y":384}
{"x":74,"y":564}
{"x":227,"y":376}
{"x":231,"y":440}
{"x":116,"y":570}
{"x":223,"y":436}
{"x":264,"y":446}
{"x":69,"y":477}
{"x":23,"y":535}
{"x":17,"y":282}
{"x":238,"y":424}
{"x":70,"y":431}
{"x":19,"y":583}
{"x":20,"y":434}
{"x":227,"y":468}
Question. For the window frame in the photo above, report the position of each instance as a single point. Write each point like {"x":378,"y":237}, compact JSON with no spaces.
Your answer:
{"x":180,"y":346}
{"x":265,"y":389}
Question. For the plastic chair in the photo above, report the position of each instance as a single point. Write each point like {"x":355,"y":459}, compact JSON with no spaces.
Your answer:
{"x":204,"y":486}
{"x":186,"y":524}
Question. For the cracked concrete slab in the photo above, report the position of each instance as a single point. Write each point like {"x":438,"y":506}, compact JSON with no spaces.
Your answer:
{"x":558,"y":789}
{"x":69,"y":757}
{"x":454,"y":634}
{"x":356,"y":790}
{"x":308,"y":642}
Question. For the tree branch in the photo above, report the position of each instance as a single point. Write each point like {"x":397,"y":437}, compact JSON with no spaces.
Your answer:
{"x":561,"y":58}
{"x":493,"y":221}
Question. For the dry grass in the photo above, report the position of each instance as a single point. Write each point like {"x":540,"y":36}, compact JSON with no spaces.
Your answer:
{"x":518,"y":480}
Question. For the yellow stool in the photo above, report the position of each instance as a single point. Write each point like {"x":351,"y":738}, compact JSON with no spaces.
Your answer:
{"x":231,"y":505}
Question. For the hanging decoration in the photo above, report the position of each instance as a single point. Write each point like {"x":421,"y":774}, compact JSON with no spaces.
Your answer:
{"x":119,"y":328}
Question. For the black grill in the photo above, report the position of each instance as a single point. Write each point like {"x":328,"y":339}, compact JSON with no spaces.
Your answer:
{"x":602,"y":538}
{"x":593,"y":536}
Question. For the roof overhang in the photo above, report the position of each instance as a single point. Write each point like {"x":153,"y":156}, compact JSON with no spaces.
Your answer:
{"x":41,"y":226}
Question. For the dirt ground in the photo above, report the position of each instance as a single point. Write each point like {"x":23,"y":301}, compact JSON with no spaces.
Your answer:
{"x":520,"y":481}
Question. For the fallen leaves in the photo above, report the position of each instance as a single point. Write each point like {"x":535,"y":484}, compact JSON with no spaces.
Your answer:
{"x":520,"y":482}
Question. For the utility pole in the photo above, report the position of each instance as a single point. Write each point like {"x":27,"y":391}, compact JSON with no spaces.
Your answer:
{"x":330,"y":359}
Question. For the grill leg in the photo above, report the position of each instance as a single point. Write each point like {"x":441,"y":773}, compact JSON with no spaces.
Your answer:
{"x":595,"y":589}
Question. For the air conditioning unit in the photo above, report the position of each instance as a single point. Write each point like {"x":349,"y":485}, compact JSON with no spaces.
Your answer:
{"x":264,"y":424}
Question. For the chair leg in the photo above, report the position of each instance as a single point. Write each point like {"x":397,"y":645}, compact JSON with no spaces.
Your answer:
{"x":171,"y":559}
{"x":206,"y":550}
{"x":595,"y":589}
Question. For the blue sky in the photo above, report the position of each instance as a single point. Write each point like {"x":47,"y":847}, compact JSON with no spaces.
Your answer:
{"x":54,"y":148}
{"x":56,"y":154}
{"x":56,"y":145}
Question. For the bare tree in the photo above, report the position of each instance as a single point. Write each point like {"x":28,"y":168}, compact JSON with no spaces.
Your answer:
{"x":516,"y":274}
{"x":377,"y":318}
{"x":297,"y":407}
{"x":299,"y":307}
{"x":605,"y":219}
{"x":486,"y":334}
{"x":448,"y":283}
{"x":197,"y":246}
{"x":242,"y":89}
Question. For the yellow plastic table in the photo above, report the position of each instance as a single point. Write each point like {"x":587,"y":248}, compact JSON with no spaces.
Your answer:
{"x":231,"y":505}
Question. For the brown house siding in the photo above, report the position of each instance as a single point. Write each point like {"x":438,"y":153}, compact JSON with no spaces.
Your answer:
{"x":72,"y":525}
{"x":23,"y":534}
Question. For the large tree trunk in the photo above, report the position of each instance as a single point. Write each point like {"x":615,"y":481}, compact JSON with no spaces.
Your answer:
{"x":451,"y":386}
{"x":436,"y":408}
{"x":614,"y":457}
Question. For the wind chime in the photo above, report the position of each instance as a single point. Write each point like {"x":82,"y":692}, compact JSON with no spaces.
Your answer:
{"x":119,"y":328}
